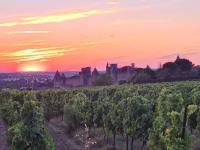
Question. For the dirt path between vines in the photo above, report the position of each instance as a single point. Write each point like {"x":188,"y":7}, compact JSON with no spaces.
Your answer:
{"x":61,"y":140}
{"x":3,"y":135}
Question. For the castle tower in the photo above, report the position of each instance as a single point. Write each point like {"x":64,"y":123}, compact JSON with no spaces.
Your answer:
{"x":114,"y":71}
{"x":95,"y":74}
{"x":57,"y":75}
{"x":63,"y":78}
{"x":108,"y":69}
{"x":133,"y":65}
{"x":58,"y":80}
{"x":178,"y":58}
{"x":86,"y":76}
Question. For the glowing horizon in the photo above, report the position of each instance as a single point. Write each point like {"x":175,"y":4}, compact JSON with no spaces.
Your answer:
{"x":51,"y":35}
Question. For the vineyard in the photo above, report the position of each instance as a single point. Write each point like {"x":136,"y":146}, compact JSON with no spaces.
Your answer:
{"x":162,"y":116}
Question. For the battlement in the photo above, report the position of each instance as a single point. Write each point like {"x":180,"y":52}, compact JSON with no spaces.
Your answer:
{"x":86,"y":76}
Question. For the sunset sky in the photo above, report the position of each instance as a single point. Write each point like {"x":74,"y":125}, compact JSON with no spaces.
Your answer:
{"x":46,"y":35}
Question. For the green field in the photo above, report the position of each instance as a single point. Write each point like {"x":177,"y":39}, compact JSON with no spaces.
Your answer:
{"x":163,"y":116}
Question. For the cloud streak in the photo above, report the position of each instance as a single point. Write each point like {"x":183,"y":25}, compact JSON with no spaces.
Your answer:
{"x":113,"y":2}
{"x":174,"y":55}
{"x":94,"y":43}
{"x":28,"y":32}
{"x":54,"y":18}
{"x":39,"y":54}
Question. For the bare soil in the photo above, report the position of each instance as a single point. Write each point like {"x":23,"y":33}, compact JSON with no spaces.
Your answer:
{"x":61,"y":140}
{"x":79,"y":141}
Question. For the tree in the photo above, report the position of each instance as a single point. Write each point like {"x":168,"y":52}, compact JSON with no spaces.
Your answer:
{"x":184,"y":64}
{"x":168,"y":130}
{"x":142,"y":77}
{"x":84,"y":106}
{"x":195,"y":118}
{"x":137,"y":118}
{"x":30,"y":132}
{"x":116,"y":117}
{"x":171,"y":67}
{"x":71,"y":118}
{"x":149,"y":71}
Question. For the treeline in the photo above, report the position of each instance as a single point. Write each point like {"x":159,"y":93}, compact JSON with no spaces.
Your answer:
{"x":179,"y":70}
{"x":162,"y":116}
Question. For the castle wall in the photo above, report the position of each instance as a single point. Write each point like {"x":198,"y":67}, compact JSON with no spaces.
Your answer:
{"x":57,"y":84}
{"x":73,"y":82}
{"x":125,"y":76}
{"x":86,"y":77}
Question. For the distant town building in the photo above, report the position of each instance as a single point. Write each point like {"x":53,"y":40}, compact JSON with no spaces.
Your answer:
{"x":86,"y":77}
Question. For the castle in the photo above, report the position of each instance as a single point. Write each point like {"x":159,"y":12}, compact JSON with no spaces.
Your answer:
{"x":86,"y":77}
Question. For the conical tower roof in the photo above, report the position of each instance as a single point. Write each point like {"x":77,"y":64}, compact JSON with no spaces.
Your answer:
{"x":57,"y":75}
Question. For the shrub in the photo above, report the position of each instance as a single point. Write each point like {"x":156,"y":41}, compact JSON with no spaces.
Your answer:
{"x":71,"y":118}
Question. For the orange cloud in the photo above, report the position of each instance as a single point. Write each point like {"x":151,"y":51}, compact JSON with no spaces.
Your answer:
{"x":113,"y":2}
{"x":94,"y":43}
{"x":118,"y":23}
{"x":40,"y":54}
{"x":54,"y":18}
{"x":28,"y":32}
{"x":30,"y":43}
